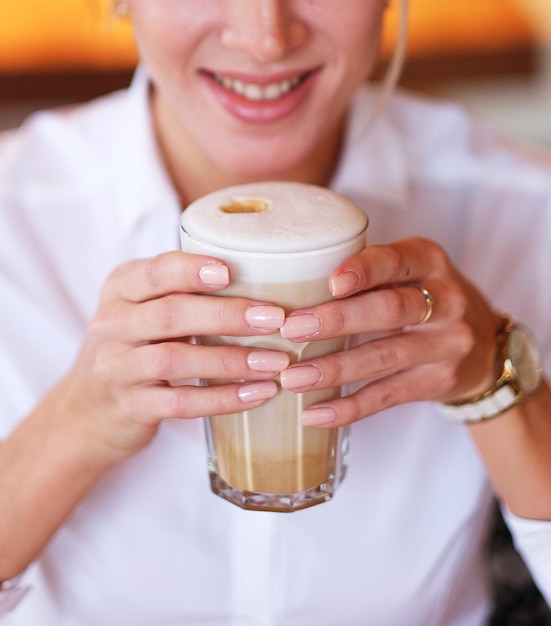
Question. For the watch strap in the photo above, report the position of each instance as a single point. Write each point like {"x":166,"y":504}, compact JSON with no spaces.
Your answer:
{"x":470,"y":412}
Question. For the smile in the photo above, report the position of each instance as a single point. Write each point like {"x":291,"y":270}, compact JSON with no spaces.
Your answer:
{"x":256,"y":92}
{"x":260,"y":98}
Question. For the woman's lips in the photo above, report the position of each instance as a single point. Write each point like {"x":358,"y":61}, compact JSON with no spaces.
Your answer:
{"x":260,"y":99}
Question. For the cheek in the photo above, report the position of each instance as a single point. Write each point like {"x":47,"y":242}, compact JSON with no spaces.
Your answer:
{"x":167,"y":30}
{"x":352,"y":30}
{"x":153,"y":41}
{"x":361,"y":42}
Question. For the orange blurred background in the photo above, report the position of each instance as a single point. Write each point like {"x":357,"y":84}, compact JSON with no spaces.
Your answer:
{"x":67,"y":35}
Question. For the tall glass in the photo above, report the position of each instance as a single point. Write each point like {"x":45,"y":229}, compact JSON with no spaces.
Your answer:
{"x":281,"y":242}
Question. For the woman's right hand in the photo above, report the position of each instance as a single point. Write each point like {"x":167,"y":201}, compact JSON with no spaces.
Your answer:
{"x":138,"y":361}
{"x":125,"y":380}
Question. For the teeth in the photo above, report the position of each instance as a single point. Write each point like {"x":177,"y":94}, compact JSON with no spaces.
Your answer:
{"x":273,"y":91}
{"x":238,"y":87}
{"x":255,"y":92}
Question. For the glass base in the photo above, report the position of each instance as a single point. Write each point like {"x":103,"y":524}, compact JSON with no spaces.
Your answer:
{"x":277,"y":502}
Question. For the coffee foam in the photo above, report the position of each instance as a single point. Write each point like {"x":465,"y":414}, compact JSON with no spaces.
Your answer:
{"x":247,"y":224}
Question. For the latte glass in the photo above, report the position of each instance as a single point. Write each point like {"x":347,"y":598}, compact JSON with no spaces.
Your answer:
{"x":281,"y":242}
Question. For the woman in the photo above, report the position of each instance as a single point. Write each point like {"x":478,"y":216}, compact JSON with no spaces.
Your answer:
{"x":104,"y":497}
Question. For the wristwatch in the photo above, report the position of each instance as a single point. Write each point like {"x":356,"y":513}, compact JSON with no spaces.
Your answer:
{"x":520,"y":363}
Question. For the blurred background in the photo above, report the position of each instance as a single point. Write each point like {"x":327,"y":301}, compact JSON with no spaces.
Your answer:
{"x":492,"y":55}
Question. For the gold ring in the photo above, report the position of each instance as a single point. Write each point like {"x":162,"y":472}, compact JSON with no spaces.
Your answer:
{"x":429,"y":303}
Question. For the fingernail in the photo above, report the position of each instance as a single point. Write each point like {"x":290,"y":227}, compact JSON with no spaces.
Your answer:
{"x":256,"y":392}
{"x":300,"y":326}
{"x":300,"y":376}
{"x":320,"y":416}
{"x":215,"y":275}
{"x":344,"y":283}
{"x":267,"y":361}
{"x":265,"y":316}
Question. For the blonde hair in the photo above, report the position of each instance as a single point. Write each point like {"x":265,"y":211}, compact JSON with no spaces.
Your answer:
{"x":392,"y":76}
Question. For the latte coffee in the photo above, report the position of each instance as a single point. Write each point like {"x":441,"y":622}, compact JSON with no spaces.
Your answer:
{"x":281,"y":242}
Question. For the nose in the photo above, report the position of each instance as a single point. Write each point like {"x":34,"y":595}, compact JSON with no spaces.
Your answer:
{"x":265,"y":29}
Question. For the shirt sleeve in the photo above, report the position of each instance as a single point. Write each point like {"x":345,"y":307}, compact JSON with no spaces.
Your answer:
{"x":532,"y":539}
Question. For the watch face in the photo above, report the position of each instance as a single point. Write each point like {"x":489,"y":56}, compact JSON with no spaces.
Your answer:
{"x":525,"y":359}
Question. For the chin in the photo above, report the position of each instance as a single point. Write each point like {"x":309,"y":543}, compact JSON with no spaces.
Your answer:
{"x":265,"y":164}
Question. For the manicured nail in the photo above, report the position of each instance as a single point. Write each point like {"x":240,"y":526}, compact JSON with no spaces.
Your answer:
{"x":300,"y":376}
{"x":344,"y":283}
{"x":267,"y":361}
{"x":215,"y":275}
{"x":302,"y":325}
{"x":256,"y":392}
{"x":319,"y":416}
{"x":265,"y":316}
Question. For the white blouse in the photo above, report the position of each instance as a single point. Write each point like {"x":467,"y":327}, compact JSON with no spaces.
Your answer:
{"x":402,"y":541}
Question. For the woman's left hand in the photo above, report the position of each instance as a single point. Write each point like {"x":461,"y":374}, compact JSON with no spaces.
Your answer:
{"x":449,"y":356}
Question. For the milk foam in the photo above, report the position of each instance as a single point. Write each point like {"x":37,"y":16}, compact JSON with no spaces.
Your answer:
{"x":293,"y":221}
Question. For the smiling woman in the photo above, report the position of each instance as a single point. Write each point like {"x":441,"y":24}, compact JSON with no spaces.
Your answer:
{"x":110,"y":330}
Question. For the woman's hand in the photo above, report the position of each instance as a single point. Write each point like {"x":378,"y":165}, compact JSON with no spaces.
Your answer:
{"x":128,"y":376}
{"x":448,"y":357}
{"x":137,"y":354}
